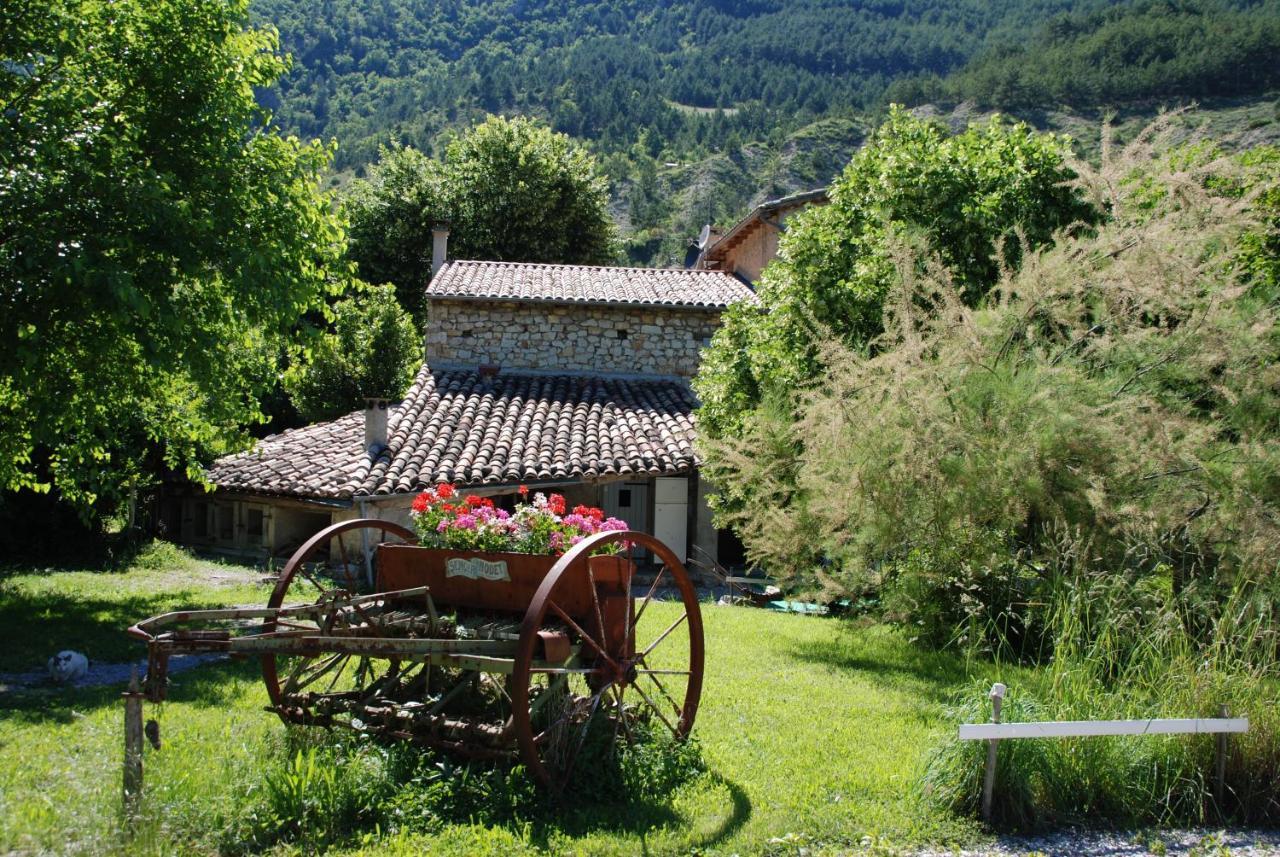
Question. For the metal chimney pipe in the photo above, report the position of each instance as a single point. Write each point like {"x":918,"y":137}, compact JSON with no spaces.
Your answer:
{"x":439,"y":246}
{"x":375,"y":426}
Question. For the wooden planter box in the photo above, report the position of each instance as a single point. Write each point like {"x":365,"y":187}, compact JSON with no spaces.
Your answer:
{"x":503,"y":582}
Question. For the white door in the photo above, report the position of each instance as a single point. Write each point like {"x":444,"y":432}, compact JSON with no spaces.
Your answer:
{"x":671,"y":513}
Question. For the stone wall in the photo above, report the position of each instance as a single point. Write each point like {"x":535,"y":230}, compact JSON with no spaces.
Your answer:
{"x":569,"y":338}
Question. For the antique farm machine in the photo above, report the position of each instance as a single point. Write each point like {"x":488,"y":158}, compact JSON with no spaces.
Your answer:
{"x":484,"y":655}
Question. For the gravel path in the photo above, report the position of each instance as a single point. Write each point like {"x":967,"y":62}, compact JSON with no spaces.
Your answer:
{"x":1085,"y":843}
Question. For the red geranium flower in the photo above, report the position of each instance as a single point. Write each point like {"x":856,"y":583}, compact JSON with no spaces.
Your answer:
{"x":556,"y":504}
{"x":445,"y":490}
{"x":422,"y":502}
{"x":524,"y":490}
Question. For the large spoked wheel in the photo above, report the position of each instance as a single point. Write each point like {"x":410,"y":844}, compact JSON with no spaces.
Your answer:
{"x":329,"y":564}
{"x":637,"y":670}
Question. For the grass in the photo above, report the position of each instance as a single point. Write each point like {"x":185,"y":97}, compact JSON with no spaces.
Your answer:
{"x":813,"y":734}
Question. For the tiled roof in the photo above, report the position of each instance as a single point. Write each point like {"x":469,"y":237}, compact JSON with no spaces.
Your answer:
{"x":468,"y":429}
{"x":520,"y":281}
{"x":741,"y":230}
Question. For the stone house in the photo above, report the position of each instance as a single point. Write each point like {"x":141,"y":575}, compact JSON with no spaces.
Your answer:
{"x":752,"y":242}
{"x":561,"y":378}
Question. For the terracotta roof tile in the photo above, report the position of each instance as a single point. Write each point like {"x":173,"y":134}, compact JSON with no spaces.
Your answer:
{"x":519,"y":281}
{"x":468,"y":429}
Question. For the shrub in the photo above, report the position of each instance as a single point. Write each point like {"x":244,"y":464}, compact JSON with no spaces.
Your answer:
{"x":1120,"y":657}
{"x":1109,"y":408}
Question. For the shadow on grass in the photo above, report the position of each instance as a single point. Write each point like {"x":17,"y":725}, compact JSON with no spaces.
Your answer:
{"x":635,"y":817}
{"x":35,"y":626}
{"x":886,"y":656}
{"x":210,"y":685}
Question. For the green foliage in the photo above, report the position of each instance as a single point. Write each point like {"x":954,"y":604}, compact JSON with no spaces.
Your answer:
{"x":1109,"y":407}
{"x":392,"y":214}
{"x":690,"y":74}
{"x":1151,"y":49}
{"x":156,"y":232}
{"x":1126,"y":653}
{"x":519,"y":192}
{"x":510,"y":189}
{"x":969,"y":197}
{"x":373,"y":351}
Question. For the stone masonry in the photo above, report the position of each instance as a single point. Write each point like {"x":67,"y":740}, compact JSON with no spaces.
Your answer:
{"x":649,"y":340}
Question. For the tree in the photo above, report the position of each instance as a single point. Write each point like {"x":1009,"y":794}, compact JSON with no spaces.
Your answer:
{"x":511,"y":189}
{"x":373,"y":351}
{"x":1108,"y":413}
{"x":392,"y":214}
{"x":971,"y":198}
{"x":156,"y":233}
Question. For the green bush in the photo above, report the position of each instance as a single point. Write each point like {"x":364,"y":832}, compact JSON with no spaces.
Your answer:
{"x":1124,"y":656}
{"x":1111,"y":406}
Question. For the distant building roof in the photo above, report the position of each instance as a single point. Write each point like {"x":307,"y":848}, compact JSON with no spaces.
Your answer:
{"x":758,"y":217}
{"x":472,"y":429}
{"x":583,"y":284}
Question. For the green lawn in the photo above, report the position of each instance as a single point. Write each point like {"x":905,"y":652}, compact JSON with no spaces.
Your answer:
{"x":813,"y":733}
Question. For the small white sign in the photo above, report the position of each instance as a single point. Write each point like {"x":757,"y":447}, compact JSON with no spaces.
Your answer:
{"x":476,"y":569}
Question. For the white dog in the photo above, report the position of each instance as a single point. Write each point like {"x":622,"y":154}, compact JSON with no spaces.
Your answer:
{"x":67,"y":666}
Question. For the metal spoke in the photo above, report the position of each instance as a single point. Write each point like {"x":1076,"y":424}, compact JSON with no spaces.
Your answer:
{"x":676,"y":708}
{"x":649,"y":597}
{"x":295,"y":682}
{"x":662,"y":672}
{"x":656,"y":710}
{"x":595,"y":599}
{"x":655,"y":643}
{"x":585,"y":636}
{"x":622,"y":717}
{"x":582,"y":736}
{"x":346,"y":659}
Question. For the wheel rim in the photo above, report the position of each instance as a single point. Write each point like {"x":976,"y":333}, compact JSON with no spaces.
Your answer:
{"x":288,"y":677}
{"x":561,"y":714}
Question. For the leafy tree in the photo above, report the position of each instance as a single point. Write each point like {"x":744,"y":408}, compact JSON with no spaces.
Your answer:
{"x":392,"y":214}
{"x":972,"y":198}
{"x":519,"y":192}
{"x":1107,"y":413}
{"x":156,"y":232}
{"x":511,"y":189}
{"x":373,"y":351}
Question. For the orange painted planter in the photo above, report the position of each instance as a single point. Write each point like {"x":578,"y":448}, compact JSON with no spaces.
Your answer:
{"x":504,"y":582}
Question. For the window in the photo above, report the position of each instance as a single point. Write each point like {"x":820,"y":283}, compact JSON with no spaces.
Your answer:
{"x":226,"y":522}
{"x":255,"y":525}
{"x":199,"y":520}
{"x":624,"y":498}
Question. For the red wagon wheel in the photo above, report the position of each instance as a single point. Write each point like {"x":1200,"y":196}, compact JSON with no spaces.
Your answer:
{"x":649,"y":679}
{"x":329,"y":565}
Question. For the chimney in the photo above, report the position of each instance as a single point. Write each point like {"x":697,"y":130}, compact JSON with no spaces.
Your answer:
{"x":439,"y":246}
{"x":375,"y":426}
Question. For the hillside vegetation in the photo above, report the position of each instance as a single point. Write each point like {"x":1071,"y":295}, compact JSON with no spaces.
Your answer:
{"x":700,"y":109}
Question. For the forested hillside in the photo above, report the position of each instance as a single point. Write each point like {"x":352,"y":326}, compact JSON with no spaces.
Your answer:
{"x":700,"y":108}
{"x":366,"y":70}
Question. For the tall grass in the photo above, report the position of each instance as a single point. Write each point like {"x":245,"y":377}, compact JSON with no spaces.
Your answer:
{"x":1119,"y":654}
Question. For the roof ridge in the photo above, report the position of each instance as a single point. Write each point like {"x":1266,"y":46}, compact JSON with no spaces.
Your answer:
{"x":666,"y":270}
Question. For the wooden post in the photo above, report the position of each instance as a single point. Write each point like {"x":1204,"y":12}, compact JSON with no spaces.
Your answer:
{"x":132,"y":749}
{"x":989,"y":780}
{"x":1220,"y":765}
